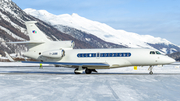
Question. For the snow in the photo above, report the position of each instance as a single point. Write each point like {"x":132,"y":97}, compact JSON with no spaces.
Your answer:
{"x":54,"y":38}
{"x":58,"y":83}
{"x":11,"y":34}
{"x":164,"y":50}
{"x":17,"y":64}
{"x":100,"y":30}
{"x":8,"y":6}
{"x":4,"y":44}
{"x":2,"y":57}
{"x":172,"y":50}
{"x":14,"y":25}
{"x":88,"y":39}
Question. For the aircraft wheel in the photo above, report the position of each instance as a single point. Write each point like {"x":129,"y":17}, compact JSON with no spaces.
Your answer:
{"x":88,"y":71}
{"x":76,"y":72}
{"x":151,"y":72}
{"x":57,"y":66}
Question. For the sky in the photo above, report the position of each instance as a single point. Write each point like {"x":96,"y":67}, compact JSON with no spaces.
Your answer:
{"x":159,"y":18}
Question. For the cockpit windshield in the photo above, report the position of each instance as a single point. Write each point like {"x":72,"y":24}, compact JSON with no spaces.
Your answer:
{"x":155,"y":52}
{"x":152,"y":52}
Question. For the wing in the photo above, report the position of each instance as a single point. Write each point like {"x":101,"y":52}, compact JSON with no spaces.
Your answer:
{"x":70,"y":63}
{"x":176,"y":63}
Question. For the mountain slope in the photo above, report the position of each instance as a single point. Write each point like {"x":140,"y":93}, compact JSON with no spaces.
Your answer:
{"x":102,"y":31}
{"x":12,"y":28}
{"x":175,"y":56}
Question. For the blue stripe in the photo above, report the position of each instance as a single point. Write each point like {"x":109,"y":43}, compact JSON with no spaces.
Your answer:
{"x":66,"y":63}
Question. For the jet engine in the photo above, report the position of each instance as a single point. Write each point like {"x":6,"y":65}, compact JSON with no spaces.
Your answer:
{"x":54,"y":53}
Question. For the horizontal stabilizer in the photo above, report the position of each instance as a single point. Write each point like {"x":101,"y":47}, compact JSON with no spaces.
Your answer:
{"x":26,"y":42}
{"x":68,"y":63}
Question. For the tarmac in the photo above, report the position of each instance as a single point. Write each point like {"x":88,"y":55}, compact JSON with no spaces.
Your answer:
{"x":49,"y":70}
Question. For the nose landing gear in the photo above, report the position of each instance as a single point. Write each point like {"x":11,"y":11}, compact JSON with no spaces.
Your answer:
{"x":150,"y":69}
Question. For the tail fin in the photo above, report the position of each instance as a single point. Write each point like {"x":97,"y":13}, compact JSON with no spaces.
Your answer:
{"x":35,"y":34}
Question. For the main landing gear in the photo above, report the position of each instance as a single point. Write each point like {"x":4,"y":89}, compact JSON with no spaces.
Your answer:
{"x":87,"y":71}
{"x":150,"y":69}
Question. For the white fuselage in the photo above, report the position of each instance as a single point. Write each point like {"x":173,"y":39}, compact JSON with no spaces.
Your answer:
{"x":45,"y":50}
{"x":120,"y":57}
{"x":62,"y":53}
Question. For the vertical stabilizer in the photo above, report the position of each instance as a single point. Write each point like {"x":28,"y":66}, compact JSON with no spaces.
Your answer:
{"x":35,"y":34}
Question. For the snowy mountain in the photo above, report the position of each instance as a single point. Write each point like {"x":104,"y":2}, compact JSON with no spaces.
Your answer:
{"x":175,"y":56}
{"x":12,"y":28}
{"x":102,"y":31}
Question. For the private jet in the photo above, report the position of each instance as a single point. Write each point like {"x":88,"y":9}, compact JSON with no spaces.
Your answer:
{"x":61,"y":53}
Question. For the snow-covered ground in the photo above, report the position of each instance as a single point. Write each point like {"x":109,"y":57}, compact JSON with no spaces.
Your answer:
{"x":58,"y":83}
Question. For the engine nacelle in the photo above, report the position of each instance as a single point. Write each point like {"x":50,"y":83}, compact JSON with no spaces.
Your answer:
{"x":54,"y":53}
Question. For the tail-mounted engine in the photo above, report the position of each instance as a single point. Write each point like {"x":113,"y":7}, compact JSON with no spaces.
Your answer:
{"x":54,"y":53}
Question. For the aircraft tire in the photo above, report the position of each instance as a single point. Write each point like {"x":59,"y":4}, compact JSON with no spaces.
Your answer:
{"x":151,"y":72}
{"x":88,"y":71}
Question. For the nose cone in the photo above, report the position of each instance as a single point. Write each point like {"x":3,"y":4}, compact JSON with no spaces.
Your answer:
{"x":171,"y":60}
{"x":165,"y":60}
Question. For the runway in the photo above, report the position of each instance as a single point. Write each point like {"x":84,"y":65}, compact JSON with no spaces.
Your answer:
{"x":69,"y":73}
{"x":120,"y":84}
{"x":50,"y":70}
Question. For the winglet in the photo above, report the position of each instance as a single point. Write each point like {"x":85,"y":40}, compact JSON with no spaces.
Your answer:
{"x":9,"y":57}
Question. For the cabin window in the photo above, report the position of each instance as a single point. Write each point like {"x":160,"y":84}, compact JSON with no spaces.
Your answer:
{"x":118,"y":54}
{"x":127,"y":54}
{"x":109,"y":54}
{"x":94,"y":55}
{"x":121,"y":55}
{"x":97,"y":54}
{"x":113,"y":54}
{"x":101,"y":55}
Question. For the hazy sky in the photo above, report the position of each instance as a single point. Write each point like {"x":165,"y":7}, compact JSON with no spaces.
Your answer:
{"x":159,"y":18}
